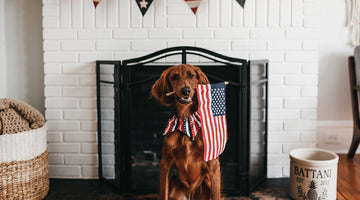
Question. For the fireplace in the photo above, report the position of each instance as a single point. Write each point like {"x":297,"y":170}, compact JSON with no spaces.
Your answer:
{"x":130,"y":123}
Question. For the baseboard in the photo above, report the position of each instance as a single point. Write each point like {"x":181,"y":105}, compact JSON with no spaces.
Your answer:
{"x":335,"y":123}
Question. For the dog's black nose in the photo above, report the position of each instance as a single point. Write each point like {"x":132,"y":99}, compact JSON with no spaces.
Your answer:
{"x":185,"y":91}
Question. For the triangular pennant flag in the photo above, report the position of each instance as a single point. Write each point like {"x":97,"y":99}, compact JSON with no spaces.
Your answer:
{"x":144,"y":5}
{"x":241,"y":2}
{"x":96,"y":2}
{"x":193,"y":4}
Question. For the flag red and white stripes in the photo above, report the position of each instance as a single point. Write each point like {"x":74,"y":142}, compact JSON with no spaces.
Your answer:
{"x":193,"y":4}
{"x":212,"y":109}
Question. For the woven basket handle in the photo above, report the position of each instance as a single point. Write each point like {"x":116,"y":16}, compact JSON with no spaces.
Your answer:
{"x":33,"y":116}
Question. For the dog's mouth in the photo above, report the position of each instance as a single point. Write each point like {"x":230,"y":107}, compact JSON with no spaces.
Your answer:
{"x":183,"y":100}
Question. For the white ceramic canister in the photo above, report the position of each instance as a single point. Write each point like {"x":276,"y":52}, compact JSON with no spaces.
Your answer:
{"x":313,"y":174}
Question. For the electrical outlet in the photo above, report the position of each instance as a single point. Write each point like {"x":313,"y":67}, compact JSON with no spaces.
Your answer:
{"x":332,"y":138}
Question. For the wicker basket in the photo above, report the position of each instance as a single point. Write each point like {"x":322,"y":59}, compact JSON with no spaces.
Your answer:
{"x":24,"y":170}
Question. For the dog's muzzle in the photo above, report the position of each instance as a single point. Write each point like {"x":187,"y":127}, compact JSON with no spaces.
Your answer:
{"x":184,"y":91}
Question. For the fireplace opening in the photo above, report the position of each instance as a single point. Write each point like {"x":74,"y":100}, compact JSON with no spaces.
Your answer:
{"x":130,"y":123}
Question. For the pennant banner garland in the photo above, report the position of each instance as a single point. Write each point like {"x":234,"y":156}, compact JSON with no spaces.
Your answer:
{"x":241,"y":2}
{"x":193,"y":4}
{"x":96,"y":2}
{"x":144,"y":5}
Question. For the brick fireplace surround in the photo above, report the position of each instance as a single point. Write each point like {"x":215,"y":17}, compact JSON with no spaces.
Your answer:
{"x":75,"y":35}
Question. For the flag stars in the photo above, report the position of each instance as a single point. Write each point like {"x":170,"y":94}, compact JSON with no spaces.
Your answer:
{"x":218,"y":101}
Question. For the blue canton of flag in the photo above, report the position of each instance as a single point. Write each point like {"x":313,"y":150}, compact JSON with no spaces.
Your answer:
{"x":218,"y":106}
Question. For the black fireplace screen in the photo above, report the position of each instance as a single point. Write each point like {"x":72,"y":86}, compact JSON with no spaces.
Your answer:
{"x":130,"y":123}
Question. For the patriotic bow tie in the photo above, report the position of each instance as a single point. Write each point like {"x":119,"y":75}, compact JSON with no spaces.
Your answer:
{"x":189,"y":126}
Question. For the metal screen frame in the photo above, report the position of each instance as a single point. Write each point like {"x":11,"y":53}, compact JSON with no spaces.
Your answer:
{"x":122,"y":70}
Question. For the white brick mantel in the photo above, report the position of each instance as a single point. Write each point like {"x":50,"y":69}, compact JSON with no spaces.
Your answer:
{"x":76,"y":35}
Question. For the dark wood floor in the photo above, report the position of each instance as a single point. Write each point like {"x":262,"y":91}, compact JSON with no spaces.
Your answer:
{"x":65,"y":189}
{"x":348,"y":186}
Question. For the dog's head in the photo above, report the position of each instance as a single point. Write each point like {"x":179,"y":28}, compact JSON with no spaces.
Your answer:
{"x":180,"y":79}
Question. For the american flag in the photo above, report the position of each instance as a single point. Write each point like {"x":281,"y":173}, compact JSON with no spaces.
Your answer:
{"x":212,"y":108}
{"x":193,"y":4}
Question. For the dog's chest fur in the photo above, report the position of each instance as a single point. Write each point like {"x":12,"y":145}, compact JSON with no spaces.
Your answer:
{"x":188,"y":158}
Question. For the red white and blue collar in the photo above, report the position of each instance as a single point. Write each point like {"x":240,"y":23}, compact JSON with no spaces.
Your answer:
{"x":189,"y":126}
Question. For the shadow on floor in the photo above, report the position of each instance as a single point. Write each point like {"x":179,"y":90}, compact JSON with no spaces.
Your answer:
{"x":271,"y":189}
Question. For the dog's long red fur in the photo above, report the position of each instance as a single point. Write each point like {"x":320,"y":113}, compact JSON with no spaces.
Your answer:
{"x":195,"y":179}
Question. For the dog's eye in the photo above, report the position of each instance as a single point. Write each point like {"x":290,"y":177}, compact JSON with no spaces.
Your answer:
{"x":191,"y":75}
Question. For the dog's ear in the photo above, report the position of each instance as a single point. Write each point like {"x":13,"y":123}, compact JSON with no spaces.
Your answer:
{"x":161,"y":88}
{"x":201,"y":76}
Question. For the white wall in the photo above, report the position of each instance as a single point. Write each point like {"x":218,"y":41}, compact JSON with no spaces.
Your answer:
{"x":75,"y":35}
{"x":2,"y":51}
{"x":334,"y":49}
{"x":334,"y":107}
{"x":23,"y":51}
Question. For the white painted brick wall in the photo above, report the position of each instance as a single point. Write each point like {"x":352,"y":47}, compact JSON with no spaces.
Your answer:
{"x":75,"y":35}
